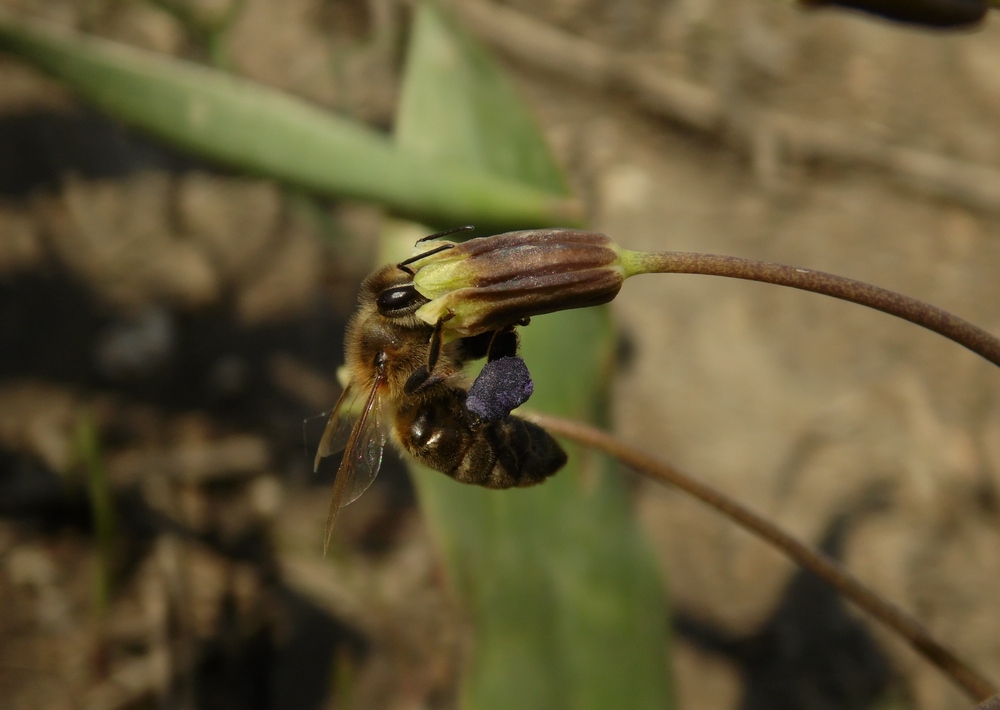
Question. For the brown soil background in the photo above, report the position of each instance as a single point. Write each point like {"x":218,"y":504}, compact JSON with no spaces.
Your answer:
{"x":197,"y":315}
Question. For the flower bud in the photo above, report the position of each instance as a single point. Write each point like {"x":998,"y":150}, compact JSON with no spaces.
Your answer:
{"x":487,"y":283}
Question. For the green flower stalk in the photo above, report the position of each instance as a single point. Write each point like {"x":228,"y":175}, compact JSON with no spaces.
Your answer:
{"x":491,"y":283}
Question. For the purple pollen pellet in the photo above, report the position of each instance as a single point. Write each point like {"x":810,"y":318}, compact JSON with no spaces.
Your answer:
{"x":502,"y":386}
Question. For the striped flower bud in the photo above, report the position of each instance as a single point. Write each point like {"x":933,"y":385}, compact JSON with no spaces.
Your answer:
{"x":487,"y":283}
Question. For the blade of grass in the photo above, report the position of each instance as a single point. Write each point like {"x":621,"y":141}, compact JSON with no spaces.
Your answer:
{"x":453,"y":86}
{"x":102,"y":512}
{"x":260,"y":130}
{"x":567,"y":602}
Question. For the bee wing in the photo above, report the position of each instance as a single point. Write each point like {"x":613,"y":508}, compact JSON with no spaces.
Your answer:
{"x":338,"y":427}
{"x":368,"y":459}
{"x":362,"y":457}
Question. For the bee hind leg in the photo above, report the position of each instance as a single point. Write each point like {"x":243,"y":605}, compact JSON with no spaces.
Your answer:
{"x":502,"y":386}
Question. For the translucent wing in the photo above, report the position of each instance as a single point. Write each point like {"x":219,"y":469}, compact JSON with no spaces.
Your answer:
{"x":368,"y":456}
{"x":362,"y":457}
{"x":338,"y":427}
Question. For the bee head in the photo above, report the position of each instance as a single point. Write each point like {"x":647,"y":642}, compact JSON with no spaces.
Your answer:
{"x":391,"y":299}
{"x":384,"y":334}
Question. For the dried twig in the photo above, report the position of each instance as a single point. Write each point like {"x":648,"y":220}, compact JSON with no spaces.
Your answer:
{"x":590,"y":63}
{"x":232,"y":457}
{"x":703,"y":108}
{"x":131,"y":681}
{"x":960,"y":672}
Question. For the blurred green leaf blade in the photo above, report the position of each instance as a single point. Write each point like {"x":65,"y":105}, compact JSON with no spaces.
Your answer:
{"x":568,"y":604}
{"x":254,"y":128}
{"x":102,"y":512}
{"x":479,"y":121}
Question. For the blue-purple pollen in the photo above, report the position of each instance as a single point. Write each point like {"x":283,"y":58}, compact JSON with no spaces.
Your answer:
{"x":502,"y":386}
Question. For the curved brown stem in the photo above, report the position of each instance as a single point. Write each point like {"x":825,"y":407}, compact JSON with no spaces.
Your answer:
{"x":931,"y":317}
{"x":961,"y":673}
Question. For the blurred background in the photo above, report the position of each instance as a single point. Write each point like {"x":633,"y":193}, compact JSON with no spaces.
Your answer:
{"x":168,"y":324}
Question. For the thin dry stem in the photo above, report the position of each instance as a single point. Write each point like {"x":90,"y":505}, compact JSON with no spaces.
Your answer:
{"x":960,"y":672}
{"x":924,"y":314}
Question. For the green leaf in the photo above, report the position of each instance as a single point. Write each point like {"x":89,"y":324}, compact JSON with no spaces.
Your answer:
{"x":260,"y":130}
{"x":478,"y":120}
{"x":567,"y":602}
{"x":102,"y":510}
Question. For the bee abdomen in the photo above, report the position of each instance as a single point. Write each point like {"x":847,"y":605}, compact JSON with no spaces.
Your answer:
{"x":510,"y":453}
{"x":505,"y":453}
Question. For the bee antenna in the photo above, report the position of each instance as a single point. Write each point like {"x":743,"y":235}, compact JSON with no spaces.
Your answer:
{"x":445,"y":233}
{"x":404,"y":265}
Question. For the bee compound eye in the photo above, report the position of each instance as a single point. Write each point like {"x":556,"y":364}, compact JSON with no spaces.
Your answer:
{"x":399,"y":300}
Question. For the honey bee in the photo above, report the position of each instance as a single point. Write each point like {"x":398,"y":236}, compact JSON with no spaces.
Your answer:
{"x":406,"y":384}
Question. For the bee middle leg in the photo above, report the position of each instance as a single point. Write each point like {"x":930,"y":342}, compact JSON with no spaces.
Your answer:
{"x":504,"y":343}
{"x":492,"y":345}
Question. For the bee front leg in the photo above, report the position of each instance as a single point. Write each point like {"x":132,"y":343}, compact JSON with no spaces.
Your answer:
{"x":424,"y":377}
